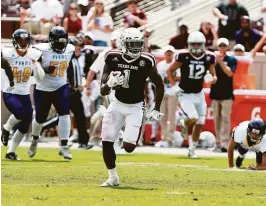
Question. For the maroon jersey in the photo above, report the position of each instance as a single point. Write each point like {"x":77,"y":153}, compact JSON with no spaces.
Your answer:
{"x":135,"y":71}
{"x":193,"y":70}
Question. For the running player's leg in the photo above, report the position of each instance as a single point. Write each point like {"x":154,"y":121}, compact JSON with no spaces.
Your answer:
{"x":133,"y":128}
{"x":43,"y":103}
{"x":242,"y":153}
{"x":61,"y":102}
{"x":113,"y":121}
{"x":14,"y":105}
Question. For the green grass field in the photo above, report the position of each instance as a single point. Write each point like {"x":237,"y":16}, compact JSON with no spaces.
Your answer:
{"x":145,"y":180}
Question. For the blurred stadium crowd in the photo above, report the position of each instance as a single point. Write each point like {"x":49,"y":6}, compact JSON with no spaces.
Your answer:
{"x":91,"y":28}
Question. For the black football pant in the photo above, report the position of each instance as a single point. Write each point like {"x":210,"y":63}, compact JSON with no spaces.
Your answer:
{"x":76,"y":106}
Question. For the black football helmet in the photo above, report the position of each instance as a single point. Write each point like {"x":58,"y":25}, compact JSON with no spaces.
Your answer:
{"x":255,"y":131}
{"x":58,"y":39}
{"x":21,"y":40}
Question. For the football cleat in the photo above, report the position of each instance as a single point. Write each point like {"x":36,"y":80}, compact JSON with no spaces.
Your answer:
{"x":239,"y":161}
{"x":33,"y":148}
{"x":114,"y":182}
{"x":64,"y":151}
{"x":192,"y":155}
{"x":85,"y":146}
{"x":5,"y":137}
{"x":12,"y":156}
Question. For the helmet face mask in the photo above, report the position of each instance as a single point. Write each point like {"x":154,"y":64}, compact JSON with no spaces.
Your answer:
{"x":21,"y":40}
{"x":132,"y":42}
{"x":58,"y":39}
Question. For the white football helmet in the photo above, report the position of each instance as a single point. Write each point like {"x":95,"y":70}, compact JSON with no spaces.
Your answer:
{"x":132,"y":42}
{"x":207,"y":139}
{"x":196,"y":42}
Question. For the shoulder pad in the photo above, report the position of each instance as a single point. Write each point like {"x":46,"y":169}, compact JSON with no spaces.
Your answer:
{"x":34,"y":53}
{"x":150,"y":57}
{"x":42,"y":47}
{"x":110,"y":52}
{"x":210,"y":53}
{"x":9,"y":52}
{"x":70,"y":48}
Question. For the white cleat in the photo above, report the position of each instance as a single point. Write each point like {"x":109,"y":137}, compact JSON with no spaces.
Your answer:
{"x":33,"y":148}
{"x":192,"y":155}
{"x":111,"y":183}
{"x":64,"y":151}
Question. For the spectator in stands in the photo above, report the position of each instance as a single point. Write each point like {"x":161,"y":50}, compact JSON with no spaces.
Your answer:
{"x":229,"y":15}
{"x":168,"y":106}
{"x":260,"y":46}
{"x":48,"y":14}
{"x":72,"y":23}
{"x":210,"y":34}
{"x":222,"y":94}
{"x":80,"y":62}
{"x":100,"y":24}
{"x":263,"y":10}
{"x":239,"y":50}
{"x":247,"y":36}
{"x":180,"y":41}
{"x":86,"y":38}
{"x":134,"y":17}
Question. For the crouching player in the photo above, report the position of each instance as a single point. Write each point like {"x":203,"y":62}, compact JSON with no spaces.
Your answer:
{"x":23,"y":61}
{"x":127,"y":72}
{"x":249,"y":135}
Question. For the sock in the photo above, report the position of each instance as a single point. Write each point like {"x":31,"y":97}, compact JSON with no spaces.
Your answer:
{"x":35,"y":137}
{"x":192,"y":145}
{"x":190,"y":140}
{"x":64,"y":142}
{"x":11,"y":122}
{"x":17,"y":137}
{"x":112,"y":173}
{"x":64,"y":126}
{"x":109,"y":155}
{"x":36,"y":129}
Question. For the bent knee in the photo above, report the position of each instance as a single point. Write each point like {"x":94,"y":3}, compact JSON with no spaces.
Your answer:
{"x":129,"y":147}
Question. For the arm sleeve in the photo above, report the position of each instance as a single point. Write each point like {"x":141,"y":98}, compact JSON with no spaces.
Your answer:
{"x":8,"y":69}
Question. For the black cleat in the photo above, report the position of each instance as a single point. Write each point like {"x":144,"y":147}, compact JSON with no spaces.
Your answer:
{"x":239,"y":161}
{"x":5,"y":137}
{"x":12,"y":156}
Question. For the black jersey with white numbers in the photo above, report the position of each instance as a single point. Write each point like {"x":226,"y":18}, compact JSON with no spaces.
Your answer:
{"x":135,"y":73}
{"x":193,"y":70}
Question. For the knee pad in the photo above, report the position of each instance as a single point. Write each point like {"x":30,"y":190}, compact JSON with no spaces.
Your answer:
{"x":201,"y":120}
{"x":129,"y":147}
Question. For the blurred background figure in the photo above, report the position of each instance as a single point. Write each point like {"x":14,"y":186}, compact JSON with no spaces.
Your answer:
{"x":239,"y":50}
{"x":229,"y":15}
{"x":48,"y":13}
{"x":81,"y":61}
{"x":210,"y":34}
{"x":169,"y":103}
{"x":72,"y":23}
{"x":180,"y":41}
{"x":222,"y":94}
{"x":263,"y":11}
{"x":247,"y":36}
{"x":134,"y":17}
{"x":100,"y":24}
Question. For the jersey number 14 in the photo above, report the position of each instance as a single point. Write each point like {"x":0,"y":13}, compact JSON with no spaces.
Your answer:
{"x":196,"y":71}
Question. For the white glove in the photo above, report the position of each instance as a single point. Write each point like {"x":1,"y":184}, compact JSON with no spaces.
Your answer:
{"x":154,"y":116}
{"x":175,"y":90}
{"x":208,"y":77}
{"x":115,"y":79}
{"x":9,"y":89}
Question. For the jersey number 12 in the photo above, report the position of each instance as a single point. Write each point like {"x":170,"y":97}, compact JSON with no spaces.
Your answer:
{"x":196,"y":71}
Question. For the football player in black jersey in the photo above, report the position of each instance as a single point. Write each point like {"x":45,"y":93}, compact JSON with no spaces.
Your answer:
{"x":194,"y":64}
{"x":126,"y":71}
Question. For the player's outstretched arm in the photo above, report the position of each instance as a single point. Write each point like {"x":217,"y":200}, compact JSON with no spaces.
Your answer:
{"x":170,"y":72}
{"x":105,"y":89}
{"x":38,"y":71}
{"x":5,"y":65}
{"x":156,"y":79}
{"x":230,"y":152}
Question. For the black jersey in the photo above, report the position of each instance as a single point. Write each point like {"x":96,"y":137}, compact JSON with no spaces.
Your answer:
{"x":135,"y":73}
{"x":193,"y":70}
